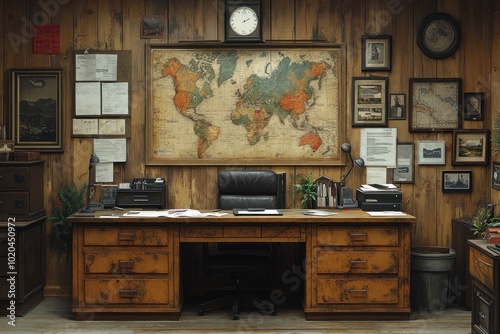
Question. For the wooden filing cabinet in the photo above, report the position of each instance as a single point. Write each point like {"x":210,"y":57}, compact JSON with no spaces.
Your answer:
{"x":125,"y":269}
{"x":22,"y":235}
{"x":359,"y":272}
{"x":484,"y":267}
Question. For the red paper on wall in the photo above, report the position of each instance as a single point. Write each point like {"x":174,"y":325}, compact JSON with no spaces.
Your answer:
{"x":46,"y":40}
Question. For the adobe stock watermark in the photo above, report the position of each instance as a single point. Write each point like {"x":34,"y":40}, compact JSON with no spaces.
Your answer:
{"x":49,"y":9}
{"x":11,"y":271}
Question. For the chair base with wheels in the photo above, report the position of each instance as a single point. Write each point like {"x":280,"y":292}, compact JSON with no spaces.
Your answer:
{"x":237,"y":301}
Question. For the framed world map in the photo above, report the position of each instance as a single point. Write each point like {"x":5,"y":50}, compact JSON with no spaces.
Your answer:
{"x":245,"y":105}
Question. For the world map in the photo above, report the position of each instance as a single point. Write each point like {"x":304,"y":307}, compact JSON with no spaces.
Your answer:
{"x":228,"y":106}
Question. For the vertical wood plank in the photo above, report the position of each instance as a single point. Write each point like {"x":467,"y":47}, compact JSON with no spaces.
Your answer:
{"x":109,"y":24}
{"x":282,"y":20}
{"x":306,"y":13}
{"x":17,"y":36}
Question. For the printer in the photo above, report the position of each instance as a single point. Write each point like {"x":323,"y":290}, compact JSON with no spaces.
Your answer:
{"x":378,"y":197}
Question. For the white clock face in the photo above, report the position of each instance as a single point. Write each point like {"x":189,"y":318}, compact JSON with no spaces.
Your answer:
{"x":244,"y":21}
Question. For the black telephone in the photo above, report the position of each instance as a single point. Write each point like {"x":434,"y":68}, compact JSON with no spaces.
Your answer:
{"x":346,"y":200}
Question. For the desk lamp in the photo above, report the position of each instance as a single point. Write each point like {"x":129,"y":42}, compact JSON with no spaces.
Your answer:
{"x":344,"y":195}
{"x":93,"y":160}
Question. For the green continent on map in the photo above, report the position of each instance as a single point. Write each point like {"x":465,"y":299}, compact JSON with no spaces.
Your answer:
{"x":286,"y":92}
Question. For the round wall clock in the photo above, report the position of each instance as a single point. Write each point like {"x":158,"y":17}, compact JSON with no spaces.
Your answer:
{"x":438,"y":35}
{"x":243,"y":21}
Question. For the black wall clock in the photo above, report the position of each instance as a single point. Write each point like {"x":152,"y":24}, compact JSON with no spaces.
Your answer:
{"x":438,"y":35}
{"x":243,"y":21}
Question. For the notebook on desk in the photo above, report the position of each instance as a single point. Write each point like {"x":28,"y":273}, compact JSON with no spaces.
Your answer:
{"x":257,"y":212}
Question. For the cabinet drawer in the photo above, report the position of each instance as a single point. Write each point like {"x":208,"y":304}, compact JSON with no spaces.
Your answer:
{"x":481,"y":267}
{"x":126,"y":262}
{"x":367,"y":262}
{"x":15,"y":178}
{"x":14,"y":203}
{"x":357,"y":236}
{"x":357,"y":291}
{"x":126,"y":291}
{"x":132,"y":236}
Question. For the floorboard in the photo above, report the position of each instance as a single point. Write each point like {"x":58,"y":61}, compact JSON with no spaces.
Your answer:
{"x":54,"y":315}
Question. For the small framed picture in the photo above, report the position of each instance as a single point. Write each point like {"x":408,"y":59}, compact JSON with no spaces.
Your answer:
{"x":152,"y":27}
{"x":457,"y":181}
{"x":495,"y":171}
{"x":397,"y":109}
{"x":474,"y":106}
{"x":431,"y":152}
{"x":376,"y":52}
{"x":369,"y":101}
{"x":403,"y":173}
{"x":471,"y":147}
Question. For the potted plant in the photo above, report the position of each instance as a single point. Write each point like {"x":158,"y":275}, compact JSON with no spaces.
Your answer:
{"x":70,"y":201}
{"x":307,"y":187}
{"x":482,"y":221}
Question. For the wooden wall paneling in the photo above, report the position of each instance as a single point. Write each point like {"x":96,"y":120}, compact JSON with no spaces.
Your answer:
{"x":180,"y":21}
{"x":424,"y":231}
{"x":451,"y":67}
{"x":17,"y":37}
{"x":58,"y":281}
{"x":329,"y":20}
{"x":306,"y":24}
{"x":133,"y":12}
{"x":109,"y":24}
{"x":204,"y":188}
{"x":205,"y":20}
{"x":494,"y":111}
{"x":281,"y":20}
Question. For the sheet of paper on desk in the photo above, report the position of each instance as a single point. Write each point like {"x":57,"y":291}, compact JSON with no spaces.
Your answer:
{"x":174,"y":213}
{"x":385,"y":213}
{"x":319,"y":213}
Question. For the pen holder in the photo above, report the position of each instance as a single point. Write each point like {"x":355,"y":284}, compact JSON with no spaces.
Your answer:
{"x":6,"y":150}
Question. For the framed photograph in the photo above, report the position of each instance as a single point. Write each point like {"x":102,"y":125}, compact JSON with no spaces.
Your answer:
{"x":471,"y":147}
{"x":35,"y":102}
{"x":431,"y":152}
{"x":404,"y":171}
{"x":495,"y":172}
{"x":435,"y":104}
{"x":152,"y":27}
{"x":474,"y":106}
{"x":397,"y":109}
{"x":457,"y":181}
{"x":376,"y":53}
{"x":369,"y":101}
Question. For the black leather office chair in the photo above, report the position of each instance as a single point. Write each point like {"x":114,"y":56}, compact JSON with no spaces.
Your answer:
{"x":244,"y":189}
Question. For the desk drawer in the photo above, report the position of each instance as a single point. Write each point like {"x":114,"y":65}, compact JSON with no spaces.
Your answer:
{"x":249,"y":231}
{"x":126,"y":291}
{"x":366,"y":262}
{"x":132,"y":236}
{"x":15,"y":203}
{"x":126,"y":262}
{"x":481,"y":267}
{"x":357,"y":291}
{"x":357,"y":236}
{"x":15,"y":178}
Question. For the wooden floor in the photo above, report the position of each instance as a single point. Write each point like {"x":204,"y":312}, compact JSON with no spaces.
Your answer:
{"x":54,"y":316}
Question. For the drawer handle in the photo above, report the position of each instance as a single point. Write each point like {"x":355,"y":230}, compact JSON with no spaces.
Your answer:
{"x":480,"y":262}
{"x":358,"y":261}
{"x":358,"y":290}
{"x":141,"y":198}
{"x":482,"y":315}
{"x":128,"y":293}
{"x":1,"y":203}
{"x":126,"y":236}
{"x":126,"y":264}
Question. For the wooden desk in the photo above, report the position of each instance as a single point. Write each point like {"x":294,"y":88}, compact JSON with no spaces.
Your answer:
{"x":356,"y":266}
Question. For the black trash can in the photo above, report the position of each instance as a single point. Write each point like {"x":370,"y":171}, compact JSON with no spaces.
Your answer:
{"x":431,"y":267}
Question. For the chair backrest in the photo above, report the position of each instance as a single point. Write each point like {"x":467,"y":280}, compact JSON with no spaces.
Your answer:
{"x":251,"y":189}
